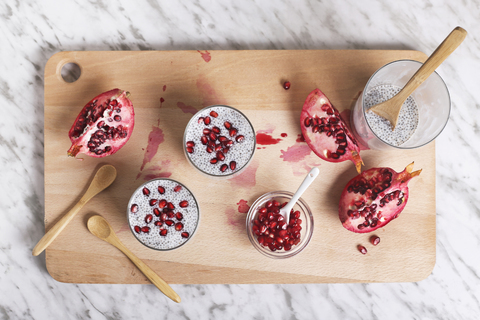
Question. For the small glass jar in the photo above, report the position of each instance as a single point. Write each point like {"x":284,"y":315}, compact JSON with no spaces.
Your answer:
{"x":305,"y":233}
{"x":163,"y":214}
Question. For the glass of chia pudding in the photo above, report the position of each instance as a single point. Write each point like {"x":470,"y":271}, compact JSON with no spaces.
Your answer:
{"x":219,"y":141}
{"x":163,"y":214}
{"x":423,"y":115}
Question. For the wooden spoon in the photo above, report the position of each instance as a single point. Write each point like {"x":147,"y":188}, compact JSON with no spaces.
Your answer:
{"x":102,"y":179}
{"x":390,"y":109}
{"x":100,"y":227}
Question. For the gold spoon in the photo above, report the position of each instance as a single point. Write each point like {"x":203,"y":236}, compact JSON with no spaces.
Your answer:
{"x":102,"y":179}
{"x":100,"y":227}
{"x":390,"y":109}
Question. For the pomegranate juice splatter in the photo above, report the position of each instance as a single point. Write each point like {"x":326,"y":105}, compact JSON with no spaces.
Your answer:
{"x":154,"y":139}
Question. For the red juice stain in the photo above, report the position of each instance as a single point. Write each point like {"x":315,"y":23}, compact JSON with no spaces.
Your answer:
{"x":209,"y":94}
{"x":296,"y":152}
{"x":154,"y":139}
{"x":164,"y":88}
{"x":300,"y":138}
{"x":286,"y":85}
{"x":233,"y":218}
{"x":247,"y":179}
{"x":205,"y":55}
{"x":161,"y":101}
{"x":243,"y":207}
{"x":185,"y":108}
{"x":284,"y":135}
{"x":266,"y":139}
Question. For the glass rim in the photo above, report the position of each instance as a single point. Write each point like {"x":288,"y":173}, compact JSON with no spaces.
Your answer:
{"x":364,"y":111}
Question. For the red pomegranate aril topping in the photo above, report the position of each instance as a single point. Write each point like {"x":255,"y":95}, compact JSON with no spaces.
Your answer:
{"x":179,"y":216}
{"x":177,"y":188}
{"x":190,"y":150}
{"x":239,"y":138}
{"x":232,"y":132}
{"x":170,"y":206}
{"x":206,"y":131}
{"x":163,"y":217}
{"x":209,"y":149}
{"x":163,"y":232}
{"x":207,"y":120}
{"x":152,"y":202}
{"x":158,"y":223}
{"x":204,"y":140}
{"x":362,"y":249}
{"x":183,"y":204}
{"x":218,"y":147}
{"x":148,"y":218}
{"x":213,"y":113}
{"x":137,"y":229}
{"x":212,"y":136}
{"x":169,"y":223}
{"x":220,"y":156}
{"x":375,"y":240}
{"x":216,"y":130}
{"x":162,"y":203}
{"x":170,"y":214}
{"x":200,"y":120}
{"x":178,"y":226}
{"x":146,"y":229}
{"x":134,"y":208}
{"x":146,"y":191}
{"x":185,"y":235}
{"x":156,"y":212}
{"x":223,"y":167}
{"x":227,"y":125}
{"x":161,"y":190}
{"x":286,"y":85}
{"x":225,"y":150}
{"x":233,"y":165}
{"x":190,"y":144}
{"x":213,"y":160}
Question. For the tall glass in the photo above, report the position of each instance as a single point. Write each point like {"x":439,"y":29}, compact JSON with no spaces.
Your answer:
{"x":431,"y":98}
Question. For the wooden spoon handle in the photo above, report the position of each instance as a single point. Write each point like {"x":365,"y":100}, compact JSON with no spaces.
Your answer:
{"x":147,"y":271}
{"x":451,"y":42}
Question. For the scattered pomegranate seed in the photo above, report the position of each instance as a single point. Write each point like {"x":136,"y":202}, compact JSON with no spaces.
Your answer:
{"x":179,"y":216}
{"x":178,"y":226}
{"x":163,"y":217}
{"x":156,"y":212}
{"x":190,"y":144}
{"x":163,"y":232}
{"x":183,"y":204}
{"x":185,"y":234}
{"x":375,"y":240}
{"x":200,"y":120}
{"x":232,"y":132}
{"x":239,"y":138}
{"x":213,"y":160}
{"x":137,"y":229}
{"x":148,"y":218}
{"x":213,"y":114}
{"x":162,"y":203}
{"x":158,"y":223}
{"x":220,"y":156}
{"x":146,"y":229}
{"x":204,"y":140}
{"x":190,"y":150}
{"x":169,"y":222}
{"x":207,"y":120}
{"x":177,"y":188}
{"x":134,"y":208}
{"x":227,"y":125}
{"x":233,"y":165}
{"x":286,"y":85}
{"x":146,"y":191}
{"x":170,"y":214}
{"x":362,"y":249}
{"x":153,"y":202}
{"x":216,"y":130}
{"x":206,"y":131}
{"x":170,"y":206}
{"x":161,"y":189}
{"x":223,"y":167}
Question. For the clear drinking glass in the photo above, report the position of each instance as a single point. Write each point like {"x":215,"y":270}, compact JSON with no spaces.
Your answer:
{"x":431,"y":98}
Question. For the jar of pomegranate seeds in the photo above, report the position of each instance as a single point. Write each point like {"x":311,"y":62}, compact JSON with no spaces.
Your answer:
{"x":270,"y":232}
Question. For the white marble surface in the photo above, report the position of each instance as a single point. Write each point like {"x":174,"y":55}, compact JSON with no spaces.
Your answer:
{"x":32,"y":31}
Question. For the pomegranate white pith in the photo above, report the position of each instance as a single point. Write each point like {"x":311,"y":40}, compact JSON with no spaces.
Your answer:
{"x":103,"y":126}
{"x":374,"y":198}
{"x":325,"y":131}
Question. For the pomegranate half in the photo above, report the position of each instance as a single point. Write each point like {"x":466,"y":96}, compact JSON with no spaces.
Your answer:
{"x":103,"y":126}
{"x":326,"y":133}
{"x":374,"y":198}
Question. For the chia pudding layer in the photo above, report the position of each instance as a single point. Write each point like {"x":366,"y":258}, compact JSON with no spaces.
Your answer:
{"x":239,"y":152}
{"x":407,"y":120}
{"x":188,"y":216}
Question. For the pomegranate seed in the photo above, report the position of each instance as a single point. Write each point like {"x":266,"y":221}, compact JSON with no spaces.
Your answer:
{"x":362,"y":249}
{"x":207,"y":120}
{"x":148,"y":218}
{"x":179,"y":216}
{"x":269,"y":204}
{"x":209,"y":149}
{"x":218,"y":147}
{"x":178,"y":226}
{"x":161,"y":190}
{"x":375,"y":240}
{"x":222,"y":138}
{"x":183,"y":203}
{"x":212,"y":136}
{"x":185,"y":235}
{"x":170,"y":206}
{"x":200,"y":120}
{"x":163,"y":217}
{"x":308,"y":122}
{"x":170,"y":214}
{"x":156,"y":212}
{"x":146,"y":229}
{"x":177,"y":188}
{"x":117,"y":118}
{"x":286,"y":85}
{"x":153,"y":202}
{"x":190,"y":149}
{"x":225,"y":150}
{"x":204,"y":140}
{"x":158,"y":223}
{"x":213,"y":160}
{"x":162,"y":203}
{"x":223,"y":167}
{"x":227,"y":124}
{"x":216,"y":130}
{"x":220,"y":156}
{"x":169,"y":222}
{"x":146,"y":191}
{"x":137,"y":229}
{"x":232,"y":132}
{"x":287,"y":247}
{"x":206,"y":131}
{"x":239,"y":138}
{"x":233,"y":165}
{"x":213,"y":114}
{"x":134,"y":208}
{"x":163,"y":232}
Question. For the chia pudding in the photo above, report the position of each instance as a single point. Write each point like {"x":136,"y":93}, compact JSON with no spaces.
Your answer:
{"x":163,"y":214}
{"x":407,"y":120}
{"x":219,"y":141}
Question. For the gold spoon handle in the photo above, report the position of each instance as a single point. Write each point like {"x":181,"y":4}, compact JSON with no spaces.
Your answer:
{"x":147,"y":271}
{"x":451,"y":42}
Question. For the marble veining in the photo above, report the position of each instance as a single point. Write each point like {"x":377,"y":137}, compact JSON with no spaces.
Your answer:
{"x":32,"y":31}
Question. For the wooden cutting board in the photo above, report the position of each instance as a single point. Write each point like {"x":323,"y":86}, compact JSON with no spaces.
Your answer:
{"x":167,"y":87}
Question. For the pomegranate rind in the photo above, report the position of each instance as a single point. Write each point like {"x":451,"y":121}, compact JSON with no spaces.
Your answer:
{"x":80,"y":141}
{"x":389,"y":210}
{"x":320,"y":143}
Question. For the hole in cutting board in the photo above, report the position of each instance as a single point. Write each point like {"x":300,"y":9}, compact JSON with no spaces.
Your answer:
{"x":71,"y":72}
